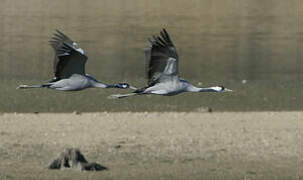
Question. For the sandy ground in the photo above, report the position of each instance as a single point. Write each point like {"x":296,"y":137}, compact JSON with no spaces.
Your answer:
{"x":253,"y":145}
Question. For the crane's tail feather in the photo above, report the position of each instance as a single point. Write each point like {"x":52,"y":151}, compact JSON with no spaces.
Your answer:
{"x":119,"y":96}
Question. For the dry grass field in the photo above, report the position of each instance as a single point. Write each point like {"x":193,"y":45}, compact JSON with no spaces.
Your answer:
{"x":251,"y":145}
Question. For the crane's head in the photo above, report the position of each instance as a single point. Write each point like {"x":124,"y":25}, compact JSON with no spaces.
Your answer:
{"x":124,"y":86}
{"x":221,"y":89}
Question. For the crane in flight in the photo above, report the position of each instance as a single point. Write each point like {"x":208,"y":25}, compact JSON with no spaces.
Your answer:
{"x":162,"y":71}
{"x":69,"y":68}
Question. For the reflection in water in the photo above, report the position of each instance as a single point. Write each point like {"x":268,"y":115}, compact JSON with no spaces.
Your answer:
{"x":218,"y":42}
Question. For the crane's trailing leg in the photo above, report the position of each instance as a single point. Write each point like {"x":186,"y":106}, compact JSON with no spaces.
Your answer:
{"x":32,"y":86}
{"x":119,"y":96}
{"x":27,"y":86}
{"x":134,"y":93}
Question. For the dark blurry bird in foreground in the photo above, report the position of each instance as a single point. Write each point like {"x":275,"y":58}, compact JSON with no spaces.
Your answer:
{"x":162,"y":71}
{"x":69,"y":68}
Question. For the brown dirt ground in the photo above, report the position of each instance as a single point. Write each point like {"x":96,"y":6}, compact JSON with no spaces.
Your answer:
{"x":251,"y":145}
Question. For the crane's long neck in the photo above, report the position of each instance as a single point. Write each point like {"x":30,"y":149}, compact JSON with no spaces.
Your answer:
{"x":111,"y":86}
{"x":197,"y":89}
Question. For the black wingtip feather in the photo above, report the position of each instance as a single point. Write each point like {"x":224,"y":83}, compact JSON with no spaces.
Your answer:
{"x":165,"y":36}
{"x":165,"y":32}
{"x":59,"y":32}
{"x":158,"y":41}
{"x":61,"y":35}
{"x":161,"y":40}
{"x":56,"y":39}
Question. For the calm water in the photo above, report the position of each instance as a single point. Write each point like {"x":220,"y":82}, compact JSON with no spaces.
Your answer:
{"x":219,"y":42}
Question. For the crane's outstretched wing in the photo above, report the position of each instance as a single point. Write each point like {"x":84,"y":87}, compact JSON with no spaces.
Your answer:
{"x":161,"y":57}
{"x":69,"y":59}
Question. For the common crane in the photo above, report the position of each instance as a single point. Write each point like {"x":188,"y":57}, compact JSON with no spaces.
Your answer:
{"x":69,"y":68}
{"x":162,"y":71}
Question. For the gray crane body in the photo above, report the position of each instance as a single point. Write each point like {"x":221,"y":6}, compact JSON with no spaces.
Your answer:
{"x":75,"y":82}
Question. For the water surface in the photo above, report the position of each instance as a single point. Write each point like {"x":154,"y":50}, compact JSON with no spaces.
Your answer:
{"x":219,"y":42}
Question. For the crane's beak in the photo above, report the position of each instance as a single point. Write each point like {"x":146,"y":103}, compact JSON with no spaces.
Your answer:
{"x":227,"y":90}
